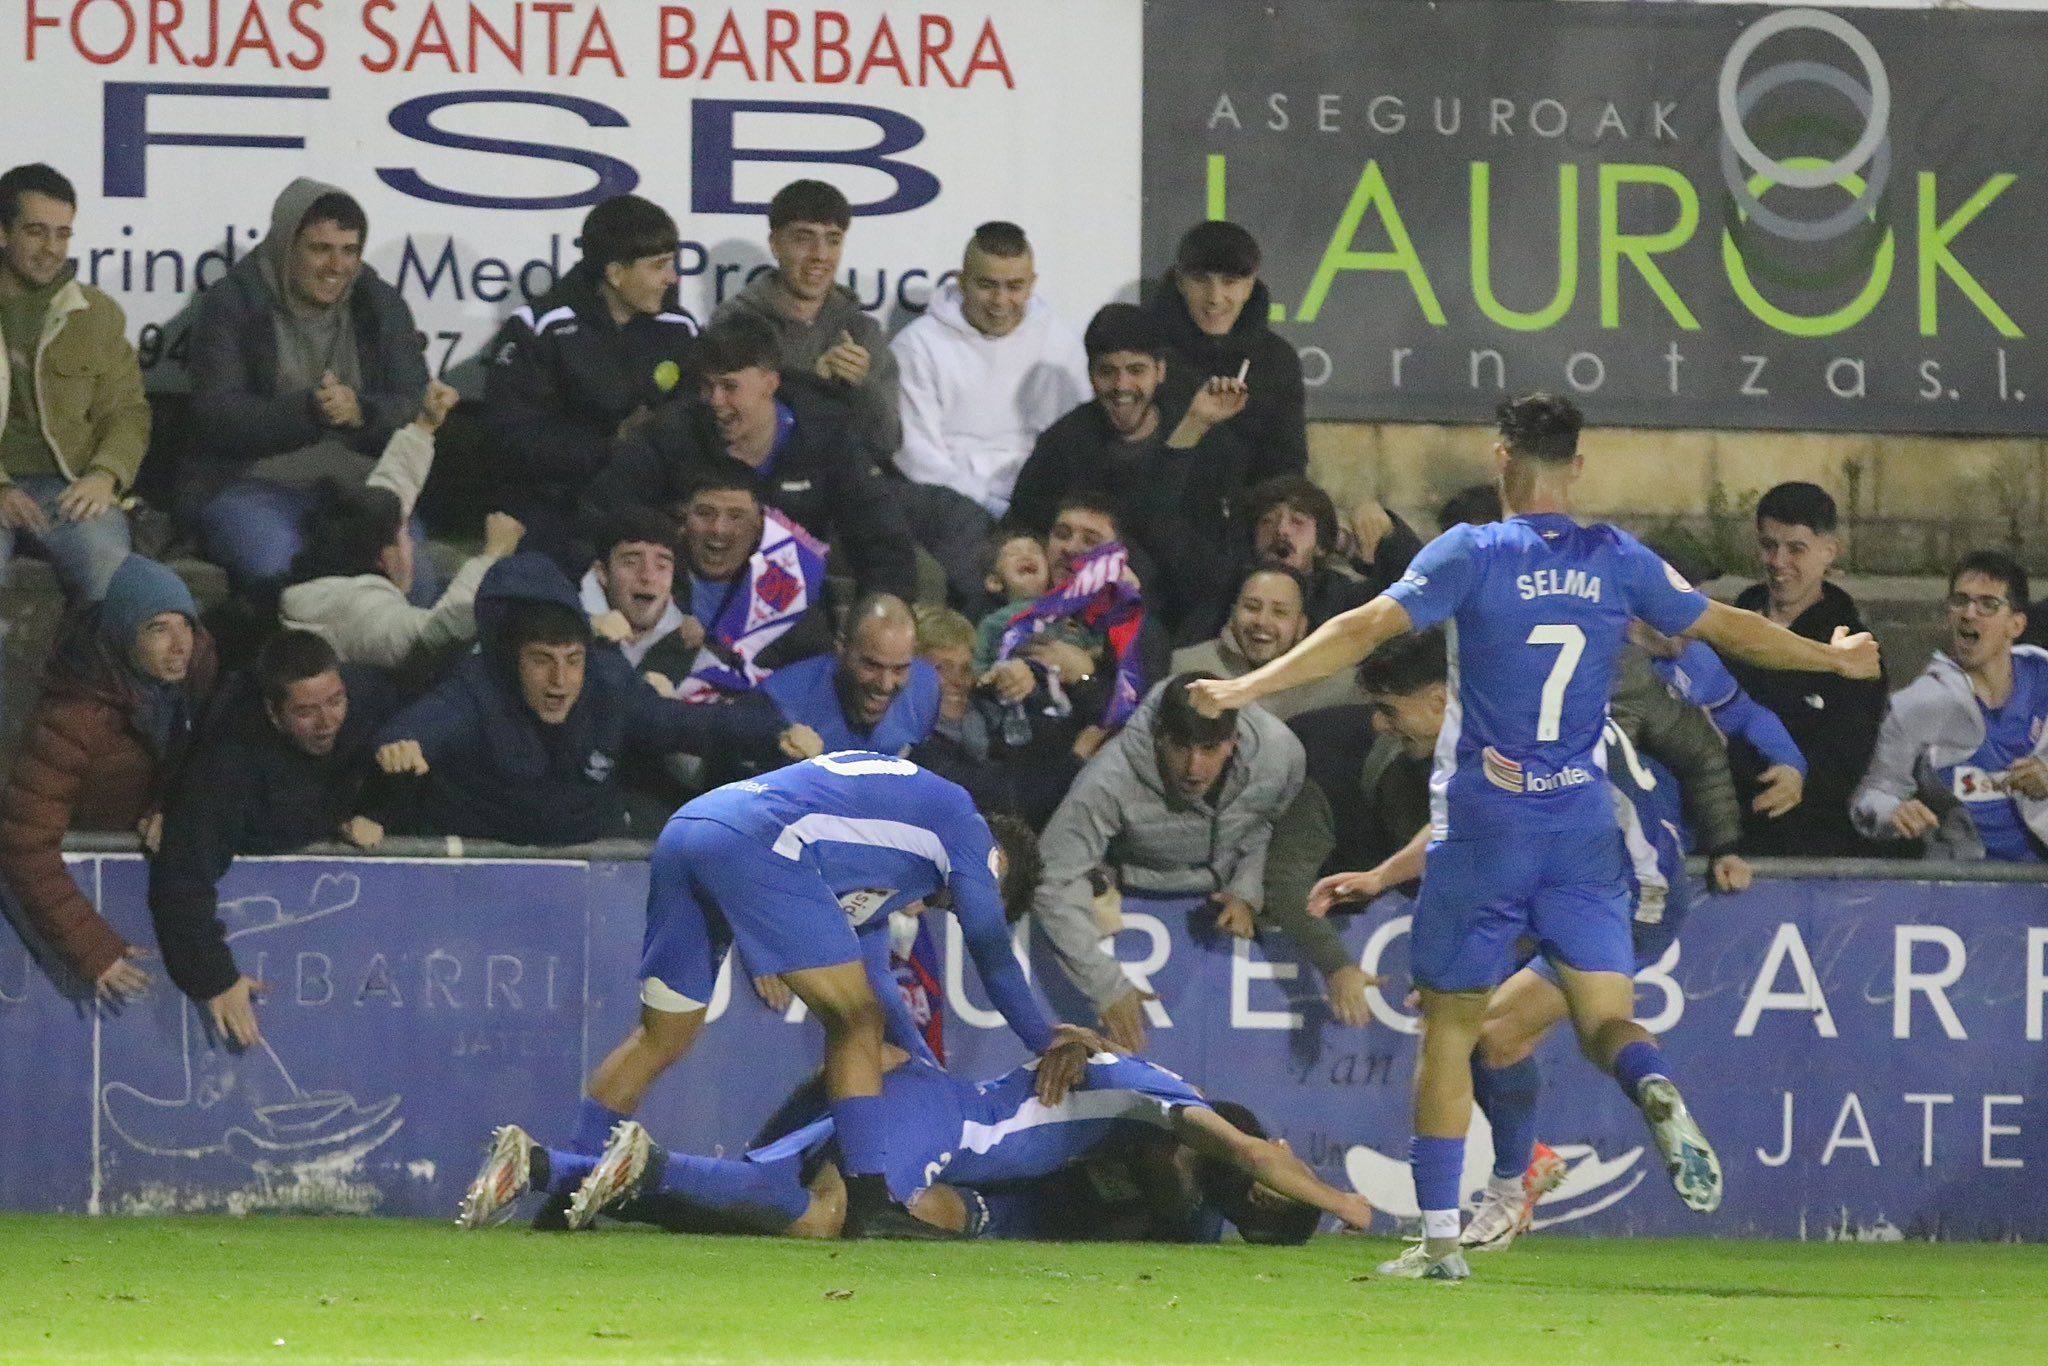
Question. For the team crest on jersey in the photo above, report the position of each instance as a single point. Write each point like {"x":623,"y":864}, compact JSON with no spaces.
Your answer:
{"x":1677,"y":580}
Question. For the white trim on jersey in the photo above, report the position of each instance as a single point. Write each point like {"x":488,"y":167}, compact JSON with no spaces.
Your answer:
{"x":1445,"y":765}
{"x":685,"y":319}
{"x":819,"y":828}
{"x":1079,"y":1106}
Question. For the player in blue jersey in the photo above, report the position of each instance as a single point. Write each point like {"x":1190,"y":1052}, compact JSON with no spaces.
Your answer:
{"x":966,"y":1156}
{"x":802,"y":868}
{"x":1524,"y":841}
{"x":1696,"y":673}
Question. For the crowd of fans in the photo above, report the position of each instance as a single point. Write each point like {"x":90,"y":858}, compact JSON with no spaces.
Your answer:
{"x":996,"y":544}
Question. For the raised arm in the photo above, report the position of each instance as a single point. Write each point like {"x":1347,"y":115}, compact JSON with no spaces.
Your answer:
{"x":1339,"y":643}
{"x":1759,"y":641}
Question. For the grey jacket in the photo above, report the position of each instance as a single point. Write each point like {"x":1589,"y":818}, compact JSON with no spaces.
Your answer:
{"x":1932,"y":723}
{"x":873,"y":403}
{"x":1119,"y":813}
{"x":1221,"y":656}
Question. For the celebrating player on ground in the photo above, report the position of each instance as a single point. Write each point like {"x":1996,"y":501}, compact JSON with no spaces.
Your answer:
{"x":803,"y":867}
{"x":1525,"y":844}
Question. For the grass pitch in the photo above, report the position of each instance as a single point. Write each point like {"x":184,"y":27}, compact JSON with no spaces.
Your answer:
{"x":383,"y":1289}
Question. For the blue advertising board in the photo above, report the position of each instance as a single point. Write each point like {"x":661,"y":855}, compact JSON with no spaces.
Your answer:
{"x":1867,"y":1055}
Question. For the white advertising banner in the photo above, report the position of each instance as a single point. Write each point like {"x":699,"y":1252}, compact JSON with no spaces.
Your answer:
{"x":477,"y":133}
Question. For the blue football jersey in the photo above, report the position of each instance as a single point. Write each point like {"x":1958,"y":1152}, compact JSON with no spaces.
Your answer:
{"x":1982,"y":782}
{"x":883,"y":833}
{"x":1537,"y":609}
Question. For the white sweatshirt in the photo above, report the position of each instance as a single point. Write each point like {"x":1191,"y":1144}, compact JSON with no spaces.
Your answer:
{"x":973,"y":405}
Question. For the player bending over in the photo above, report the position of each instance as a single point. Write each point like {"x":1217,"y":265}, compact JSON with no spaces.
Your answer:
{"x":970,"y":1158}
{"x":1524,"y":842}
{"x":802,"y":868}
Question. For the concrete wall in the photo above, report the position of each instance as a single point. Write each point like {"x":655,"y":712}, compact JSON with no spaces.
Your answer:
{"x":1910,"y":505}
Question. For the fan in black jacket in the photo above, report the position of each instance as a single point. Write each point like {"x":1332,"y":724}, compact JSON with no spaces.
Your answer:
{"x":796,"y":443}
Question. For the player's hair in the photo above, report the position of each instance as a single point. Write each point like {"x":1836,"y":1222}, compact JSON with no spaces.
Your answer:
{"x":346,"y":530}
{"x":1098,"y":501}
{"x":1473,"y":505}
{"x":740,"y":342}
{"x":1798,"y":504}
{"x":1124,"y":327}
{"x":34,"y":178}
{"x":1287,"y":572}
{"x":939,"y":627}
{"x":1405,"y":665}
{"x":1297,"y":493}
{"x":336,"y":208}
{"x":809,"y":201}
{"x":1178,"y":720}
{"x":1540,"y":426}
{"x":1019,"y":843}
{"x":998,"y":237}
{"x":291,"y":657}
{"x":635,"y":525}
{"x":1996,"y":564}
{"x":536,"y":621}
{"x":1230,"y":1191}
{"x":627,"y":228}
{"x":1218,"y":247}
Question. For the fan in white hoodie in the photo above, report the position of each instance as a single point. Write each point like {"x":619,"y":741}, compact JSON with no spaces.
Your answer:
{"x":973,"y":404}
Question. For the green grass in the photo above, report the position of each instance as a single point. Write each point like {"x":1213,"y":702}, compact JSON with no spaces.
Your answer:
{"x":222,"y":1289}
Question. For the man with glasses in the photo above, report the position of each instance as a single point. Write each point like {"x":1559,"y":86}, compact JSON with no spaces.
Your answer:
{"x":1959,"y":758}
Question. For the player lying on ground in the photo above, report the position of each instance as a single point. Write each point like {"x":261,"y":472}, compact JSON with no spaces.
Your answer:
{"x":965,"y":1158}
{"x":802,"y":868}
{"x":1667,"y":750}
{"x":1525,"y":844}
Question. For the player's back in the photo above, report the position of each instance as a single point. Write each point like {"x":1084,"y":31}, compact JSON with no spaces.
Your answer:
{"x":1537,"y":610}
{"x":867,"y":821}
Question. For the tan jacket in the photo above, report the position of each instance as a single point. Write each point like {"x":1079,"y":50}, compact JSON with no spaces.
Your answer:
{"x":88,"y":386}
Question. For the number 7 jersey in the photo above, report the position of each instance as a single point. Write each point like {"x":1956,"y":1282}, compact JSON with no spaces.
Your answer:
{"x":1536,"y":610}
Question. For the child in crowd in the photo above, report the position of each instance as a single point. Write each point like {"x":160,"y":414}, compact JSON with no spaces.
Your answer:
{"x":1020,"y":573}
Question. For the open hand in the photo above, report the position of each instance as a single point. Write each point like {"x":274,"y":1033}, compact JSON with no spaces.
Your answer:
{"x":1123,"y":1020}
{"x":1783,"y":786}
{"x":774,"y":993}
{"x":19,"y":512}
{"x":233,"y":1012}
{"x":89,"y":496}
{"x":1233,"y":916}
{"x":1064,"y":1063}
{"x":1221,"y":399}
{"x":122,"y":979}
{"x":848,"y":361}
{"x":1345,"y":990}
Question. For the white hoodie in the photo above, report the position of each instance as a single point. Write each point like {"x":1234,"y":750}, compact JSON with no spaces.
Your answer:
{"x":972,"y":405}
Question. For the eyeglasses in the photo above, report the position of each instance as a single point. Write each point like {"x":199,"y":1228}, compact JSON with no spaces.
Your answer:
{"x":1986,"y":604}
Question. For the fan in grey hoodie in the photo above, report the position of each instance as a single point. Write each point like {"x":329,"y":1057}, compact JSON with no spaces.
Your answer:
{"x":1964,"y":777}
{"x":819,"y":322}
{"x":1175,"y":805}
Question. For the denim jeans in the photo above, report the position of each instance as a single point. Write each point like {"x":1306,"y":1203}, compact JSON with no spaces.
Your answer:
{"x":252,"y":530}
{"x":84,"y":554}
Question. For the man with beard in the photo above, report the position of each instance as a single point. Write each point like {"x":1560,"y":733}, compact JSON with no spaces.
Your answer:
{"x":1172,"y":477}
{"x":873,"y":692}
{"x":1959,"y":764}
{"x":1266,"y":621}
{"x":794,"y":444}
{"x":1294,"y":523}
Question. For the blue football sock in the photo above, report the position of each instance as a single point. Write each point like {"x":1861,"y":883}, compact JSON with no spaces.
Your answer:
{"x":593,"y":1126}
{"x":566,"y":1170}
{"x":1507,"y":1096}
{"x":743,"y":1189}
{"x":1438,"y":1165}
{"x":862,"y":1125}
{"x":1635,"y":1064}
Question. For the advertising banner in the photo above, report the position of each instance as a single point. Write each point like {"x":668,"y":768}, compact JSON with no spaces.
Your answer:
{"x":1867,"y":1056}
{"x":1682,"y":215}
{"x":477,"y":133}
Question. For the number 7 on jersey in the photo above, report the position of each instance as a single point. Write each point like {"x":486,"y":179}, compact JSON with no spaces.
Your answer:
{"x":1572,"y":644}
